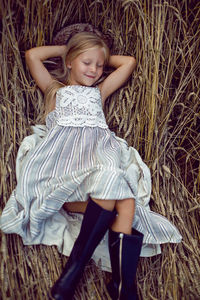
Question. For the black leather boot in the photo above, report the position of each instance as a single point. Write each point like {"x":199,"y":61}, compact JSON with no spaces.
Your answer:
{"x":124,"y":252}
{"x":95,"y":223}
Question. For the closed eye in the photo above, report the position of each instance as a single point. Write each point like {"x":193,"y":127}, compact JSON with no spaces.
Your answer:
{"x":87,"y":63}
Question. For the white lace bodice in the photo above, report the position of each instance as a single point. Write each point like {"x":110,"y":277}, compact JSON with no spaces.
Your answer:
{"x":79,"y":106}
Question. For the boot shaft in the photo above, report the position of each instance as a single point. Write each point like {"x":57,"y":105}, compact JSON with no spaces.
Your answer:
{"x":124,"y":254}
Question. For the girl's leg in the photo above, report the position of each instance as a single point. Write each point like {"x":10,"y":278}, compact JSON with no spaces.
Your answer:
{"x":124,"y":247}
{"x":80,"y":207}
{"x":96,"y":221}
{"x":98,"y":216}
{"x":125,"y":214}
{"x":106,"y":204}
{"x":75,"y":207}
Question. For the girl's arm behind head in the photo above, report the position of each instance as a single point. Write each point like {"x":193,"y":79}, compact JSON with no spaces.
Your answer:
{"x":34,"y":59}
{"x":124,"y":66}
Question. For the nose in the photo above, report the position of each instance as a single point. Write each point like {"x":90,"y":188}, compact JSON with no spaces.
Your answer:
{"x":93,"y":68}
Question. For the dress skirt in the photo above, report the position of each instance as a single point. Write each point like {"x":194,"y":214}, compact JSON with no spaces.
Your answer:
{"x":71,"y":164}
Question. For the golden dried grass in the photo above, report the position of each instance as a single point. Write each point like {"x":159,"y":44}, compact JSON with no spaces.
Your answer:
{"x":157,"y":112}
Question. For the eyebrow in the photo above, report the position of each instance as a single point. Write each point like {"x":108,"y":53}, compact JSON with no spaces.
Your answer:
{"x":89,"y":60}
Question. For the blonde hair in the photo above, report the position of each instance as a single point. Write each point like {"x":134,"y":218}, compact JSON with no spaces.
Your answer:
{"x":77,"y":44}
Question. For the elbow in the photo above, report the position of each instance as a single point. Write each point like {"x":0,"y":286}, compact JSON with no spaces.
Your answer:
{"x":30,"y":58}
{"x":28,"y":55}
{"x":132,"y":62}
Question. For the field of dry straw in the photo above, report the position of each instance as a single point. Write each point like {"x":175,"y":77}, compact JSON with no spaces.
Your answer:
{"x":158,"y":112}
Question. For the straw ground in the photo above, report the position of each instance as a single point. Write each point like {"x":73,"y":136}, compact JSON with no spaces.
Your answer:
{"x":157,"y":112}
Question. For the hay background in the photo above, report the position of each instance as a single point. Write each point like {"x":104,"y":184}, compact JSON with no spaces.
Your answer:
{"x":157,"y":112}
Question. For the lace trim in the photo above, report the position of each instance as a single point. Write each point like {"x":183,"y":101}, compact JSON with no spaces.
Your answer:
{"x":79,"y":106}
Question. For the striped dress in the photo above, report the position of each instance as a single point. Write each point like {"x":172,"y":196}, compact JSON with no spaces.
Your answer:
{"x":79,"y":157}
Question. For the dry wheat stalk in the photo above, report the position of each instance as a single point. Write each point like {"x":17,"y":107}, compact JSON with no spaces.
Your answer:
{"x":157,"y":112}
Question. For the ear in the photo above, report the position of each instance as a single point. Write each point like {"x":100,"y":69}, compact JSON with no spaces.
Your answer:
{"x":68,"y":64}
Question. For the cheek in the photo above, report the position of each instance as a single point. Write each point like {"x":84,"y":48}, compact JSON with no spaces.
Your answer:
{"x":82,"y":68}
{"x":100,"y":72}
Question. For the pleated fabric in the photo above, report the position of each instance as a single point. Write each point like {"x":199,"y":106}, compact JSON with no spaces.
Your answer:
{"x":72,"y":164}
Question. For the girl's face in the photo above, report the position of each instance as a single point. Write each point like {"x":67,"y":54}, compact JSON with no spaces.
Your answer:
{"x":87,"y":67}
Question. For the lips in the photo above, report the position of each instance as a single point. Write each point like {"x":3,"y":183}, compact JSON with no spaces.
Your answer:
{"x":90,"y":76}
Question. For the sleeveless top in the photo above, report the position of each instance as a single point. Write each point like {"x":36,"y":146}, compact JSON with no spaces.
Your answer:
{"x":79,"y":106}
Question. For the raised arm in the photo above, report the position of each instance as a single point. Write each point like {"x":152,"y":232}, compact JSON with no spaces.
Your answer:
{"x":124,"y":66}
{"x":34,"y":59}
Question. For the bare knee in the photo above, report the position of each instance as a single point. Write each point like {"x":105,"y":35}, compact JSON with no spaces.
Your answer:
{"x":125,"y":215}
{"x":126,"y":207}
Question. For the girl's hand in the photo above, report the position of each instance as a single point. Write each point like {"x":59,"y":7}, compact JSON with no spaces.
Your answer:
{"x":34,"y":59}
{"x":124,"y":67}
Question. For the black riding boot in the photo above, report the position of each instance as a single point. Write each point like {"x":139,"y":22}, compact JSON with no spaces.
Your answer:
{"x":95,"y":223}
{"x":124,"y":252}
